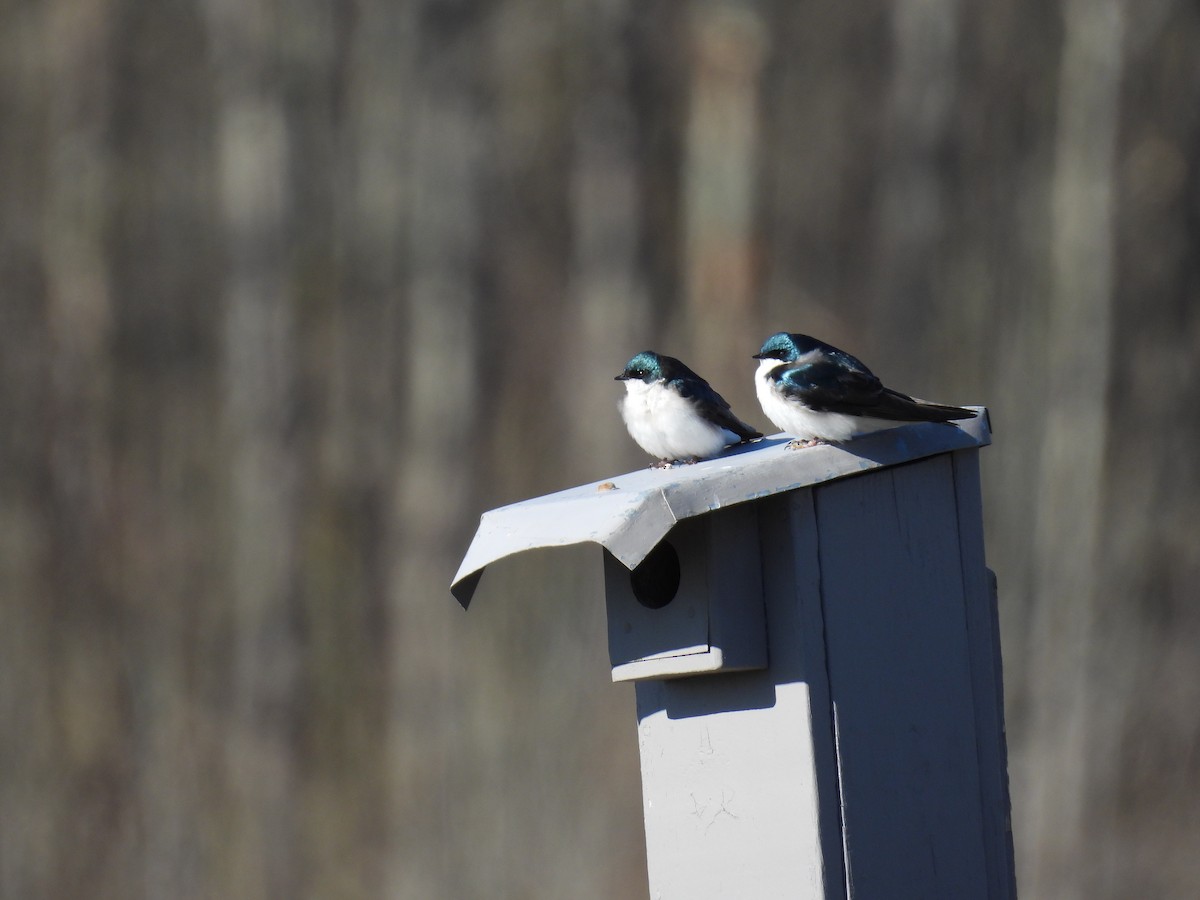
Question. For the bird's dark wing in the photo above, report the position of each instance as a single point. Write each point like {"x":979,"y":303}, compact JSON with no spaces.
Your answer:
{"x":712,"y":405}
{"x":827,"y":386}
{"x":842,"y":359}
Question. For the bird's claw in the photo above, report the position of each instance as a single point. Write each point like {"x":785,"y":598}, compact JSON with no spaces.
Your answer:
{"x":672,"y":463}
{"x":798,"y":444}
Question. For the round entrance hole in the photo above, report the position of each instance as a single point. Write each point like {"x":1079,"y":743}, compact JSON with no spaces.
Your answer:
{"x":655,"y":581}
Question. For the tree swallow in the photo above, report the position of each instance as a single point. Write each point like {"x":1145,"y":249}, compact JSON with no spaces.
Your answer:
{"x":672,"y":413}
{"x":820,"y":394}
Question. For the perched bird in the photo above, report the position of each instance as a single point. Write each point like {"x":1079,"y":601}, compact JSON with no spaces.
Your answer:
{"x":673,"y":414}
{"x":820,"y":394}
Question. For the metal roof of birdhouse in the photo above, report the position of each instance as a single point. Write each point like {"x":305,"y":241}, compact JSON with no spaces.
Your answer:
{"x":629,"y":514}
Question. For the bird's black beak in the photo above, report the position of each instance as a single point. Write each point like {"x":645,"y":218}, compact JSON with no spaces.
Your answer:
{"x":759,"y":356}
{"x":621,"y":377}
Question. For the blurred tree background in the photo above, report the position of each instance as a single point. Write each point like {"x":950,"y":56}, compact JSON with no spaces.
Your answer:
{"x":292,"y":292}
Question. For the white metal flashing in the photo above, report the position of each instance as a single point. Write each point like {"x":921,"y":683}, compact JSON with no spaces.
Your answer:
{"x":629,"y":514}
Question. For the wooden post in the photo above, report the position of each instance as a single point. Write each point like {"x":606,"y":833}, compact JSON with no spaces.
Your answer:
{"x":818,"y":689}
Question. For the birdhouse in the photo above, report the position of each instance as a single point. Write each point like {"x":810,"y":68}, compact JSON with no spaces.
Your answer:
{"x":813,"y":641}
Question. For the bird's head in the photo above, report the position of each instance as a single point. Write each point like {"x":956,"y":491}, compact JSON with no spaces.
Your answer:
{"x":647,"y":366}
{"x":783,"y":347}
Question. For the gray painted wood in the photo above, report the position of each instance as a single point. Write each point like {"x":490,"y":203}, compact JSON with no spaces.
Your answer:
{"x":901,"y":683}
{"x":678,"y":629}
{"x":734,"y":765}
{"x":987,"y":679}
{"x":867,"y":758}
{"x":714,"y":623}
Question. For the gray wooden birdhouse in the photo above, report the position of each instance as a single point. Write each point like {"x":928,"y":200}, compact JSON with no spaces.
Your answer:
{"x":813,"y":639}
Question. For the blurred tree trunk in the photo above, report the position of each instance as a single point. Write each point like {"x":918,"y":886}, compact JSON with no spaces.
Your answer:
{"x":609,"y":291}
{"x":1145,"y":774}
{"x":728,"y":46}
{"x":260,"y":400}
{"x":448,"y":168}
{"x":1053,"y":782}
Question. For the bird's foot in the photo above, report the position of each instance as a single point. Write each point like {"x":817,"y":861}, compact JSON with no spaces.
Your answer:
{"x":798,"y":444}
{"x":672,"y":463}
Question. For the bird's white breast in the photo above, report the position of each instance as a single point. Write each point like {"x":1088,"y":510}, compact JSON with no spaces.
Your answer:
{"x":667,"y":426}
